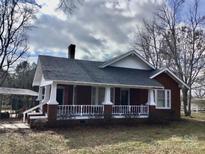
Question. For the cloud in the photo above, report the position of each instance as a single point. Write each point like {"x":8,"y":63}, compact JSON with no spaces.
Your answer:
{"x":99,"y":29}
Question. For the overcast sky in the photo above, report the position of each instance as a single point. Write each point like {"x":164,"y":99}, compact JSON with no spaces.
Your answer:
{"x":98,"y":30}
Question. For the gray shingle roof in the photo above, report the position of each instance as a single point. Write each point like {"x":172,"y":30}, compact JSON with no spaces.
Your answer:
{"x":56,"y":68}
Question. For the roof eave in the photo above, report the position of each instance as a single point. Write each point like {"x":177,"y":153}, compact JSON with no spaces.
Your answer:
{"x":107,"y":84}
{"x":172,"y":74}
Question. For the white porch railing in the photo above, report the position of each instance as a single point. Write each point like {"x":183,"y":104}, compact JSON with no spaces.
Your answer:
{"x":75,"y":111}
{"x":69,"y":111}
{"x":126,"y":110}
{"x":39,"y":106}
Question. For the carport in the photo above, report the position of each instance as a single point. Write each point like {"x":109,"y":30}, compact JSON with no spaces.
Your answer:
{"x":9,"y":92}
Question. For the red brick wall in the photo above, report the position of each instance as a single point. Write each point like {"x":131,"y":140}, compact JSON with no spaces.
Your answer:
{"x":68,"y":94}
{"x":169,"y":83}
{"x":117,"y":96}
{"x":83,"y":95}
{"x":138,"y":96}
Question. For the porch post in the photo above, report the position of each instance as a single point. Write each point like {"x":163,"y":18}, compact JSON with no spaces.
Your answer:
{"x":151,"y":98}
{"x":107,"y":104}
{"x":40,"y":94}
{"x":46,"y":98}
{"x":152,"y":104}
{"x":52,"y":105}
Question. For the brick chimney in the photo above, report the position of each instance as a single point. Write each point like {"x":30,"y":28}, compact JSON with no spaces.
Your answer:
{"x":71,"y":51}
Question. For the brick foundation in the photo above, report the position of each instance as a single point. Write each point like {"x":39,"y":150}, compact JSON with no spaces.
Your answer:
{"x":52,"y":113}
{"x":107,"y":111}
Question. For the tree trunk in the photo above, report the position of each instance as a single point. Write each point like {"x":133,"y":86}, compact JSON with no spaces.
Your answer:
{"x":185,"y":100}
{"x":0,"y":104}
{"x":189,"y":105}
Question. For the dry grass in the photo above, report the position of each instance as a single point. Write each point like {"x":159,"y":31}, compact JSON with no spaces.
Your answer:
{"x":186,"y":136}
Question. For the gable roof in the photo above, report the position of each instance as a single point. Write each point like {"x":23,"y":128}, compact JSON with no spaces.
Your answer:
{"x":118,"y":58}
{"x":82,"y":71}
{"x":172,"y":75}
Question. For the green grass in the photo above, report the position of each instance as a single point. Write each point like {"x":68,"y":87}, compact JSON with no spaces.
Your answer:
{"x":186,"y":136}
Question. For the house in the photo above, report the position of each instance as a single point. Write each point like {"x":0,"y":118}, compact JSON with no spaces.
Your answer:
{"x":124,"y":87}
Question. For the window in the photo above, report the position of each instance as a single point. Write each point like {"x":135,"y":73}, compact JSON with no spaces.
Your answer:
{"x":98,"y":95}
{"x":60,"y":95}
{"x":112,"y":96}
{"x":124,"y":96}
{"x":101,"y":95}
{"x":74,"y":95}
{"x":93,"y":95}
{"x":162,"y":98}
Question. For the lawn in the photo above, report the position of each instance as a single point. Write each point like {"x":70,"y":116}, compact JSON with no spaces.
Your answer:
{"x":186,"y":136}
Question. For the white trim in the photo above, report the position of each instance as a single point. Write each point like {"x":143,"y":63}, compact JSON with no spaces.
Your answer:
{"x":107,"y":100}
{"x":45,"y":82}
{"x":106,"y":84}
{"x":172,"y":74}
{"x":151,"y":97}
{"x":132,"y":52}
{"x":52,"y":100}
{"x":40,"y":94}
{"x":165,"y":92}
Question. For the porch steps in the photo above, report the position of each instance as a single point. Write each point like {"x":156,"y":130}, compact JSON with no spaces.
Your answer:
{"x":39,"y":117}
{"x":35,"y":114}
{"x":38,"y":121}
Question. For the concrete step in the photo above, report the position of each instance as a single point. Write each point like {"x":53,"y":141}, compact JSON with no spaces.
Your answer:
{"x":38,"y":117}
{"x":35,"y":114}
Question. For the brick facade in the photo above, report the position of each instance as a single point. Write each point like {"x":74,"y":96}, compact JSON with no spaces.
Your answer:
{"x":169,"y":83}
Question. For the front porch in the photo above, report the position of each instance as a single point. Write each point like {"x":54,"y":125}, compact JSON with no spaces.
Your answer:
{"x":60,"y":102}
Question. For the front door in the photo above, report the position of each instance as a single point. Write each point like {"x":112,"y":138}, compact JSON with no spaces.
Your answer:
{"x":124,"y":96}
{"x":60,"y":95}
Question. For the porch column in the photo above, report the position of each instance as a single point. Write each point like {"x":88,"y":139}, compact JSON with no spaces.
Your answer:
{"x":152,"y":105}
{"x":40,"y":94}
{"x":46,"y":97}
{"x":150,"y":99}
{"x":107,"y":104}
{"x":52,"y":105}
{"x":107,"y":96}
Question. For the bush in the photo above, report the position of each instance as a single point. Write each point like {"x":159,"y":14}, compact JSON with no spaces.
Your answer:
{"x":4,"y":115}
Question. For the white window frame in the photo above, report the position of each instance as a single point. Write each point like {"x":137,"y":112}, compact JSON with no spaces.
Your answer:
{"x":166,"y":101}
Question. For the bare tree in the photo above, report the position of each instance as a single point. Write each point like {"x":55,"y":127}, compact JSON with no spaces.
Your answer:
{"x":69,"y":6}
{"x":184,"y":43}
{"x":150,"y":44}
{"x":15,"y":20}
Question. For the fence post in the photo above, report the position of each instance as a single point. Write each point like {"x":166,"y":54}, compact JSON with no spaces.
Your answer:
{"x":141,"y":109}
{"x":81,"y":110}
{"x":129,"y":109}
